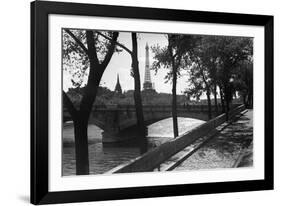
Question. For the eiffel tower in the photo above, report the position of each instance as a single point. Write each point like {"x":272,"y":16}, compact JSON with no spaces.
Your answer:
{"x":147,"y":84}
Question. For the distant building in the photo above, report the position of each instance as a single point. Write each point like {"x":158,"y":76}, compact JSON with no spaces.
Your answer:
{"x":147,"y":84}
{"x":118,"y":89}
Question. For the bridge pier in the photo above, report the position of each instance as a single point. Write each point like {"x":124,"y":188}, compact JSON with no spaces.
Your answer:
{"x":111,"y":135}
{"x":108,"y":137}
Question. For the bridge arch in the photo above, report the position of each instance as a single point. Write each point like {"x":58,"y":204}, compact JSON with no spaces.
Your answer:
{"x":114,"y":120}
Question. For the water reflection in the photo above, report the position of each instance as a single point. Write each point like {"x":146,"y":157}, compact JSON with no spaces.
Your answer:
{"x":104,"y":157}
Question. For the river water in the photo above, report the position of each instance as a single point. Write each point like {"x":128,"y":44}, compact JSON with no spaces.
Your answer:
{"x":104,"y":157}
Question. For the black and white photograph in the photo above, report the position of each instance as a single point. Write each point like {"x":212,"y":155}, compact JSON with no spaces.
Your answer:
{"x":136,"y":102}
{"x":155,"y":102}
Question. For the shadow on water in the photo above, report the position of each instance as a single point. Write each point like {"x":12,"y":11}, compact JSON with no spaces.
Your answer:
{"x":133,"y":140}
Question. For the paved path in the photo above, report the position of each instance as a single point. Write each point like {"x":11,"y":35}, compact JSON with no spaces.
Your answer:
{"x":228,"y":146}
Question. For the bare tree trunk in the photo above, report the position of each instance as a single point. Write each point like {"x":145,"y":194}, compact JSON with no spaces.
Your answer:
{"x":80,"y":137}
{"x":81,"y":123}
{"x":81,"y":127}
{"x":216,"y":101}
{"x":137,"y":94}
{"x":174,"y":103}
{"x":222,"y":100}
{"x":81,"y":147}
{"x":209,"y":104}
{"x":227,"y":97}
{"x":244,"y":100}
{"x":250,"y":104}
{"x":174,"y":89}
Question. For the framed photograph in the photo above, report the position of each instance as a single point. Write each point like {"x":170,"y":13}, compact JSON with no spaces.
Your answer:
{"x":131,"y":102}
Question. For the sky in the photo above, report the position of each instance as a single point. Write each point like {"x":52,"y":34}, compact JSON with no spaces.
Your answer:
{"x":120,"y":63}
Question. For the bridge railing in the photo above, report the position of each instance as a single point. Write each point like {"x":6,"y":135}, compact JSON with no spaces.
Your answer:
{"x":167,"y":108}
{"x":117,"y":106}
{"x":153,"y":158}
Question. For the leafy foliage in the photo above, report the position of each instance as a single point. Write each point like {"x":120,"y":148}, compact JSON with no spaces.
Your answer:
{"x":75,"y":60}
{"x":217,"y":61}
{"x":178,"y":50}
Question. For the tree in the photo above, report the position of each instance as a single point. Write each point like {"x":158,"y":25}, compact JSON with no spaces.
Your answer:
{"x":137,"y":93}
{"x":94,"y":55}
{"x":243,"y":81}
{"x":174,"y":56}
{"x":215,"y":64}
{"x":137,"y":90}
{"x":210,"y":59}
{"x":231,"y":51}
{"x":202,"y":73}
{"x":199,"y":82}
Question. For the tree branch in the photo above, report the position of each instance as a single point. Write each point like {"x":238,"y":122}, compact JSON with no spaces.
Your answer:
{"x":76,"y":40}
{"x":92,"y":52}
{"x":69,"y":105}
{"x":111,"y":50}
{"x":116,"y":42}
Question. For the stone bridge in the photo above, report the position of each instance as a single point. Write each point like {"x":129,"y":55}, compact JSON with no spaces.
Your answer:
{"x":116,"y":118}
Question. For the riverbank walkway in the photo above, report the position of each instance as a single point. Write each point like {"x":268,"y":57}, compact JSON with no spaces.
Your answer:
{"x":231,"y":147}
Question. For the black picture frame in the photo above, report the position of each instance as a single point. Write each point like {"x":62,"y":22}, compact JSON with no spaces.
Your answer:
{"x":39,"y":102}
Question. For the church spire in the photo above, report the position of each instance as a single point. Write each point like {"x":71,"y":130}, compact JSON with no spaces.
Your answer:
{"x":118,"y":88}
